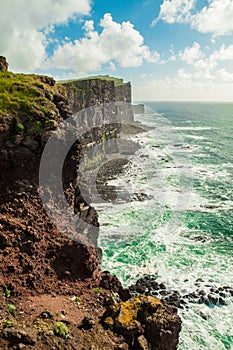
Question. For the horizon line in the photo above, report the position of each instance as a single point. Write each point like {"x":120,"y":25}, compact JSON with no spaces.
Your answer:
{"x":184,"y":101}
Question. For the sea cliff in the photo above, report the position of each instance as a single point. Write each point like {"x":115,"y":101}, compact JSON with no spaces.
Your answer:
{"x":54,"y":293}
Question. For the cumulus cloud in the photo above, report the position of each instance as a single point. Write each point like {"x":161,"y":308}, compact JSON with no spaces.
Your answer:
{"x":172,"y":11}
{"x":225,"y":53}
{"x":201,"y":64}
{"x":205,"y":67}
{"x":216,"y":18}
{"x":89,"y":25}
{"x":24,"y":25}
{"x":25,"y":38}
{"x":191,"y":54}
{"x":118,"y":43}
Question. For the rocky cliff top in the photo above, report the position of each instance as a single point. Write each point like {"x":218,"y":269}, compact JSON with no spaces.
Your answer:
{"x":3,"y":64}
{"x":116,"y":81}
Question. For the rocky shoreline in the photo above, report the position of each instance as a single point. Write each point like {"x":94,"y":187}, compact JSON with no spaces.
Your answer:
{"x":203,"y":293}
{"x":54,"y":293}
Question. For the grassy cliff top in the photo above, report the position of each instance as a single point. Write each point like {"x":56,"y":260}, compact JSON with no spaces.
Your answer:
{"x":25,"y":92}
{"x":31,"y":92}
{"x":117,"y":81}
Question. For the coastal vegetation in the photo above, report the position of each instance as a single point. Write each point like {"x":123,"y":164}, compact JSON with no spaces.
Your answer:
{"x":23,"y":93}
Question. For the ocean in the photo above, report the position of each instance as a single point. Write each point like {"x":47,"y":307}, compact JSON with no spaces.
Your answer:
{"x":179,"y":225}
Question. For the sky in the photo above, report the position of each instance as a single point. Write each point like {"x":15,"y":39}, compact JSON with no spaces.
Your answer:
{"x":168,"y":49}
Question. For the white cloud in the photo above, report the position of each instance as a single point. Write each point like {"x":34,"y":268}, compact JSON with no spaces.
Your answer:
{"x":224,"y":75}
{"x":22,"y":40}
{"x":216,"y":18}
{"x":224,"y":53}
{"x":203,"y":79}
{"x":201,"y":65}
{"x":172,"y":11}
{"x":118,"y":43}
{"x":184,"y":88}
{"x":89,"y":25}
{"x":204,"y":68}
{"x":191,"y":54}
{"x":183,"y":75}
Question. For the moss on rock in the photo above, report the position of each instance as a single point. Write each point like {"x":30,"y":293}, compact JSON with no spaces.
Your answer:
{"x":147,"y":316}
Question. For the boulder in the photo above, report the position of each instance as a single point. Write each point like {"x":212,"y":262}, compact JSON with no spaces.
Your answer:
{"x":3,"y":64}
{"x":145,"y":322}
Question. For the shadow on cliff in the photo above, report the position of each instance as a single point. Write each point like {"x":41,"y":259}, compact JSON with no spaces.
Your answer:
{"x":75,"y":262}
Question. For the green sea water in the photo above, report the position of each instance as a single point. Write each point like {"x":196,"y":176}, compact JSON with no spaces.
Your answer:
{"x":183,"y":231}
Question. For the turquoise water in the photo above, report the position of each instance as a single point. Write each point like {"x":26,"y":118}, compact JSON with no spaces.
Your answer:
{"x":184,"y":230}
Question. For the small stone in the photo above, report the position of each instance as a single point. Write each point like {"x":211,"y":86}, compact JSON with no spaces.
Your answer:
{"x":123,"y":346}
{"x":221,"y":301}
{"x":141,"y":343}
{"x":162,"y":286}
{"x":87,"y":323}
{"x":141,"y":289}
{"x":163,"y":292}
{"x":213,"y":300}
{"x":202,"y":292}
{"x":46,"y":315}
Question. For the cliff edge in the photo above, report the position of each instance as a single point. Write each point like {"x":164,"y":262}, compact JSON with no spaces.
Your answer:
{"x":54,"y":293}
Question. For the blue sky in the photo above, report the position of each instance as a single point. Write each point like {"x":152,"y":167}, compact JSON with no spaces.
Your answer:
{"x":168,"y":49}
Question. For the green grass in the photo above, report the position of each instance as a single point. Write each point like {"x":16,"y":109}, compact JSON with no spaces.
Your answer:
{"x":97,"y":291}
{"x":17,"y":91}
{"x":27,"y":104}
{"x":117,"y":81}
{"x":21,"y":92}
{"x":8,"y":324}
{"x":61,"y":330}
{"x":11,"y":308}
{"x":7,"y":292}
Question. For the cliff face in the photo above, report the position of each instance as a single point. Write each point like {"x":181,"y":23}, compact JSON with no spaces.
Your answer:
{"x":41,"y":269}
{"x":94,"y":91}
{"x":32,"y":106}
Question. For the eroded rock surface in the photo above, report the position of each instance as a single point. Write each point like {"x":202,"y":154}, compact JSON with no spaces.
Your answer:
{"x":145,"y":322}
{"x":3,"y":64}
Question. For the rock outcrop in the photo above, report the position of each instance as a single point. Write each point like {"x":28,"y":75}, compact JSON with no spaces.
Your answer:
{"x":145,"y":323}
{"x":3,"y":64}
{"x":203,"y":293}
{"x":98,"y":90}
